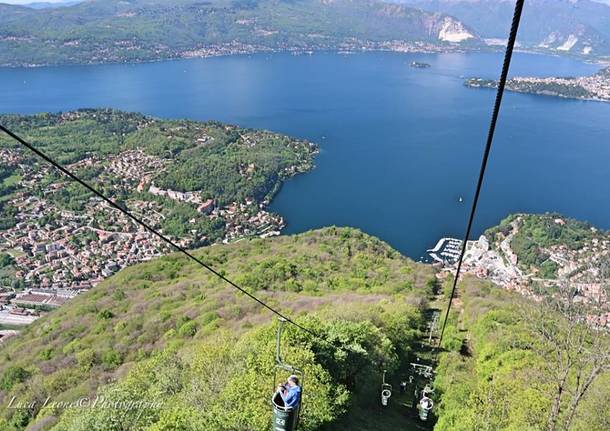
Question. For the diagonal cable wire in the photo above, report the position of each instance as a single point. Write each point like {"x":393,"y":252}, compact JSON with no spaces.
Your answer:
{"x":156,"y":232}
{"x":490,"y":136}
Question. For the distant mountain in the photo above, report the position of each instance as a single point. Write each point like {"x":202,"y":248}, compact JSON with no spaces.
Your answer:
{"x":50,"y":5}
{"x":579,"y":27}
{"x":113,"y":31}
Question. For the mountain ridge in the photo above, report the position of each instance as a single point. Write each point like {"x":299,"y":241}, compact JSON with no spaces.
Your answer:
{"x":579,"y":28}
{"x":101,"y":32}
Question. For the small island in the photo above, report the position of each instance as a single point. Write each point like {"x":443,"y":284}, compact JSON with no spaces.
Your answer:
{"x":595,"y":87}
{"x":418,"y":65}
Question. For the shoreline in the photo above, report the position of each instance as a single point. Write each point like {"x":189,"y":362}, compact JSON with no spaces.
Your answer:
{"x":407,"y":48}
{"x":304,"y":51}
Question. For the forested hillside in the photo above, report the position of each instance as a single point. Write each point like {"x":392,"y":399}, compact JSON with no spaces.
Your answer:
{"x":139,"y":30}
{"x":194,"y":355}
{"x":169,"y":334}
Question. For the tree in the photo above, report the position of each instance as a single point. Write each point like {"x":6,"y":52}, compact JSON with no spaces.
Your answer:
{"x":575,"y":347}
{"x":6,"y":260}
{"x":12,"y":376}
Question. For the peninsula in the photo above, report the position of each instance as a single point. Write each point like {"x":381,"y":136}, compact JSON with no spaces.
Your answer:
{"x":595,"y":87}
{"x":198,"y":183}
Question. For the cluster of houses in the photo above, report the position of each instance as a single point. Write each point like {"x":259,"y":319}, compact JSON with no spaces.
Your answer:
{"x":59,"y":253}
{"x":499,"y":263}
{"x":71,"y":252}
{"x":240,"y":223}
{"x":493,"y":264}
{"x":597,"y":86}
{"x":203,"y":206}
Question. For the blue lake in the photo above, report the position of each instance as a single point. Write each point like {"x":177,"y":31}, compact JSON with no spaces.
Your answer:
{"x":399,"y":145}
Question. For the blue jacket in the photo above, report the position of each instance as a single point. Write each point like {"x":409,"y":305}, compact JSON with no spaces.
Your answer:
{"x":292,"y":397}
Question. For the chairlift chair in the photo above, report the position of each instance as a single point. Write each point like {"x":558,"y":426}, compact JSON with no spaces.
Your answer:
{"x":386,"y":391}
{"x":284,"y":418}
{"x":426,"y":403}
{"x":425,"y":406}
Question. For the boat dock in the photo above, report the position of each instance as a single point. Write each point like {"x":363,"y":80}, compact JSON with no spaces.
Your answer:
{"x":447,"y":251}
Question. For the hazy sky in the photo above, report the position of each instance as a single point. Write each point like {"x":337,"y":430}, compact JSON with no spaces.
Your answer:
{"x":63,"y":1}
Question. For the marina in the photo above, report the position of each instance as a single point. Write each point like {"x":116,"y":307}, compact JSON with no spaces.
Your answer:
{"x":446,"y":251}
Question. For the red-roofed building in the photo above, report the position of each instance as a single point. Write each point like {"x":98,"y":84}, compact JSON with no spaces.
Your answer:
{"x":207,"y":207}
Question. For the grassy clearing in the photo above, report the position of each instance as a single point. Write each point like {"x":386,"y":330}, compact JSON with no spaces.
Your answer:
{"x":13,"y":180}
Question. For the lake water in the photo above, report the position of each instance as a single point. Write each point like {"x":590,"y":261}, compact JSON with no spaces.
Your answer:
{"x":399,"y":145}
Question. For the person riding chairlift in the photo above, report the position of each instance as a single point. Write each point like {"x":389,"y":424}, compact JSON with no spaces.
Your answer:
{"x":426,"y":403}
{"x":290,"y":392}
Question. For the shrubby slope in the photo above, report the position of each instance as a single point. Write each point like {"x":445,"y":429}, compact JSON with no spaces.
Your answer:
{"x":168,"y":329}
{"x":510,"y":364}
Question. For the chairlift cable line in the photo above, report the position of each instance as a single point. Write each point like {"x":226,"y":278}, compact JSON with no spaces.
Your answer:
{"x":490,"y":136}
{"x":158,"y":234}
